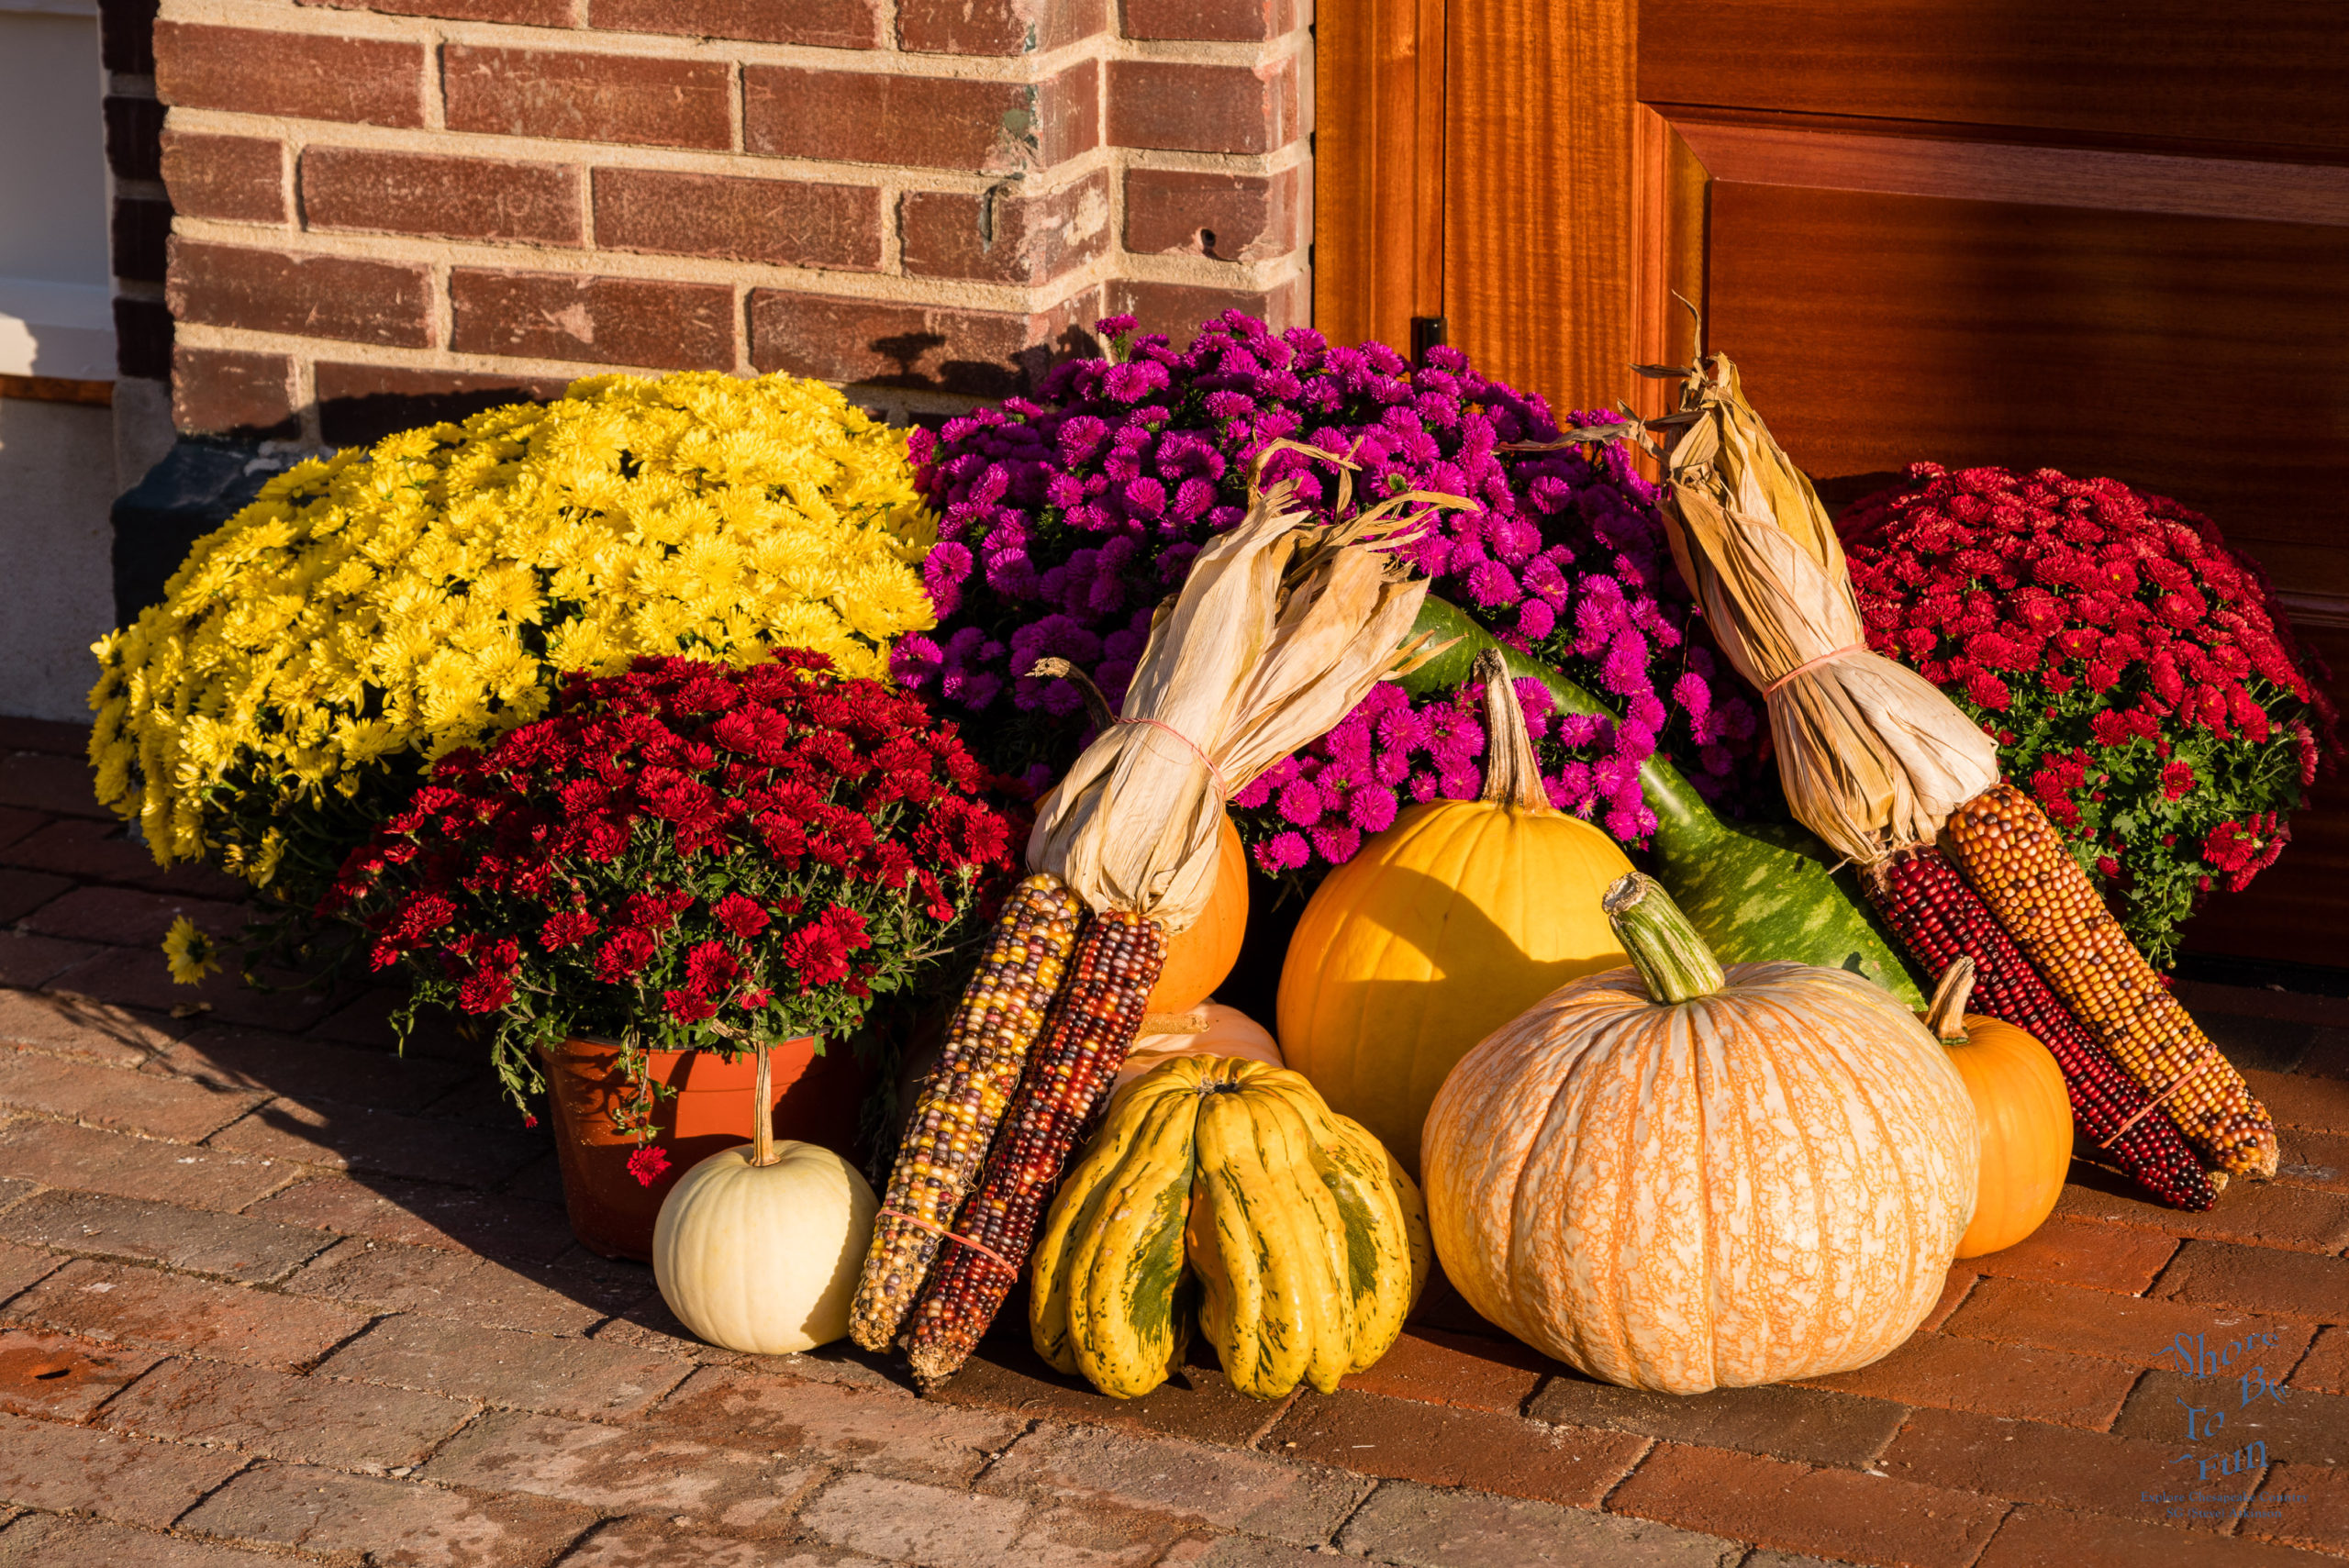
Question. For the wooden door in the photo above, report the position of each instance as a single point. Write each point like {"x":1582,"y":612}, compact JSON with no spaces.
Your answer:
{"x":2107,"y":237}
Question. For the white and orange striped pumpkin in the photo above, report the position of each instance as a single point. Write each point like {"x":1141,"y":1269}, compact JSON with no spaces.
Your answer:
{"x":1679,"y":1178}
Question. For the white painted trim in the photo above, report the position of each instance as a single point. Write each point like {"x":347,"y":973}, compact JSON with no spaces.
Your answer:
{"x":56,"y":329}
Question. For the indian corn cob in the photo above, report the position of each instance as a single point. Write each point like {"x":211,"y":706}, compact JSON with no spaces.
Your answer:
{"x":2011,"y":854}
{"x":1939,"y":918}
{"x":996,"y":1024}
{"x":1093,"y":1022}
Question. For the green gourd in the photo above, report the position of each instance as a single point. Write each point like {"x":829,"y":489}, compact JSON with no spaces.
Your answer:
{"x":1752,"y":890}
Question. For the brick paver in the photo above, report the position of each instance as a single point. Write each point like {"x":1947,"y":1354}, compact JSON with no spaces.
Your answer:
{"x":1430,"y":1527}
{"x":1260,"y":1495}
{"x":229,"y":1246}
{"x":52,"y":1540}
{"x":115,"y":1098}
{"x":147,"y":1306}
{"x":75,"y":1026}
{"x":1816,"y":1425}
{"x":314,"y":1509}
{"x":873,"y":1428}
{"x":2326,"y":1366}
{"x":1832,"y":1512}
{"x":271,"y":1414}
{"x":530,"y":1372}
{"x":1409,"y":1441}
{"x":271,"y":1292}
{"x":49,"y":1465}
{"x":63,"y":1376}
{"x":635,"y":1469}
{"x":88,"y":1159}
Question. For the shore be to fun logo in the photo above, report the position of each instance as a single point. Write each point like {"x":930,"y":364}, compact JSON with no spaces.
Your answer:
{"x":2227,"y":1369}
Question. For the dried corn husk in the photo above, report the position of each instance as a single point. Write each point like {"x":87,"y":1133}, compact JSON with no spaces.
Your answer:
{"x":1872,"y":757}
{"x":1279,"y":629}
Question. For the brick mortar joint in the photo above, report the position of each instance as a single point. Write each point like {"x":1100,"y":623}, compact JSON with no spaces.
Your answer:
{"x":1377,"y":1485}
{"x":323,"y":22}
{"x":1646,"y":1452}
{"x":235,"y":340}
{"x":488,"y":147}
{"x":426,"y":254}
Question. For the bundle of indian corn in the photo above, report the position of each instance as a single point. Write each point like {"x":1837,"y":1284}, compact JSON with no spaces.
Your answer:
{"x":1887,"y":769}
{"x":1279,"y":629}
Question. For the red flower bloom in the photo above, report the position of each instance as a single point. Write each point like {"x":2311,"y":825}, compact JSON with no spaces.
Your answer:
{"x":567,"y":927}
{"x":647,"y":1163}
{"x":739,"y":915}
{"x":2177,"y":779}
{"x":624,"y":954}
{"x":688,"y":1006}
{"x":711,"y":968}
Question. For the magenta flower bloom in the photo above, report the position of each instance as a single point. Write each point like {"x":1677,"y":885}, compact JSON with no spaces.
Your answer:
{"x":1065,"y":519}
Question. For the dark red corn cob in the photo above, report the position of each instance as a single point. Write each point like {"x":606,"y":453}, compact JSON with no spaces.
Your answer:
{"x":1938,"y":918}
{"x":1092,"y":1024}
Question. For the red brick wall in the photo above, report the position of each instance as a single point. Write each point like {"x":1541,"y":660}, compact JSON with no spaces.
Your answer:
{"x":408,"y":208}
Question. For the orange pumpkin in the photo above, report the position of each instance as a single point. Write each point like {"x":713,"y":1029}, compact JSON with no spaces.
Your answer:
{"x":1198,"y":959}
{"x":1229,"y":1032}
{"x":2024,"y":1112}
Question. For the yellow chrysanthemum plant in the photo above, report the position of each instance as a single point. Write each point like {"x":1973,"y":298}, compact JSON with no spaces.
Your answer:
{"x":375,"y":610}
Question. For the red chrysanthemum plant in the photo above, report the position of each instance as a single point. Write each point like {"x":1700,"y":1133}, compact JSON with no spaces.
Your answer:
{"x":685,"y":855}
{"x":2140,"y":677}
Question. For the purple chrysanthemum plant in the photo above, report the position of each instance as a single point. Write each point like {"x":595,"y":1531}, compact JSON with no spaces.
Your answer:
{"x":1065,"y":518}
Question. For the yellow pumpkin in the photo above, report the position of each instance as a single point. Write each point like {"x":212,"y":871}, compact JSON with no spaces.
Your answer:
{"x":2023,"y":1109}
{"x":1676,"y":1178}
{"x":1456,"y":918}
{"x":1200,"y":956}
{"x":1229,"y":1032}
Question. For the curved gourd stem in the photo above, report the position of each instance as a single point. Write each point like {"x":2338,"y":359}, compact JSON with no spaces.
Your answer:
{"x":1512,"y":777}
{"x":762,"y":1113}
{"x":1669,"y":954}
{"x":1946,"y":1016}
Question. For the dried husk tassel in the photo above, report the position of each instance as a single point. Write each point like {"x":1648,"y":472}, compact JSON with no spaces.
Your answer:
{"x":1873,"y":756}
{"x":1279,"y":630}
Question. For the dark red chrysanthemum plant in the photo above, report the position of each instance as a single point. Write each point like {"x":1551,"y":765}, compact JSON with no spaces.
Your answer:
{"x":685,"y":855}
{"x":2140,"y":677}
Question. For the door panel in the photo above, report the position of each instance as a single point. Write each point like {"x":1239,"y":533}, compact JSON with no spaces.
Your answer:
{"x":2110,"y":237}
{"x":2173,"y":352}
{"x":2145,"y":70}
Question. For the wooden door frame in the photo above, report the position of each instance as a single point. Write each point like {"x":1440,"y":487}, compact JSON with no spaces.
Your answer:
{"x":1541,"y":172}
{"x":1378,"y":167}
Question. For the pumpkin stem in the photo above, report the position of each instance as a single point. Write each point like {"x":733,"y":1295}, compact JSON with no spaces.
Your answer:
{"x":762,"y":1113}
{"x":1512,"y":777}
{"x":1946,"y":1016}
{"x":1665,"y":948}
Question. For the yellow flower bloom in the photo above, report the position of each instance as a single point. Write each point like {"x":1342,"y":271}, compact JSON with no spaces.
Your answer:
{"x":189,"y":952}
{"x":380,"y":608}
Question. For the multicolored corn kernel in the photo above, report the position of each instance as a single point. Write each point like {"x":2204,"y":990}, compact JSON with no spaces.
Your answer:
{"x":1093,"y":1024}
{"x":2015,"y":860}
{"x":997,"y":1023}
{"x":1939,"y":918}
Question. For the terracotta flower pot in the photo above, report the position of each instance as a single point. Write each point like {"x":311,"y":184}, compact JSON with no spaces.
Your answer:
{"x":817,"y":1099}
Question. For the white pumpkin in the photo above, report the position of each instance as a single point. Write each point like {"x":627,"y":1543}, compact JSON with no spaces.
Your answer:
{"x":759,"y":1248}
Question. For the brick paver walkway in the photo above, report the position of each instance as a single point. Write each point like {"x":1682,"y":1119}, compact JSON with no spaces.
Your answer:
{"x":269,"y":1292}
